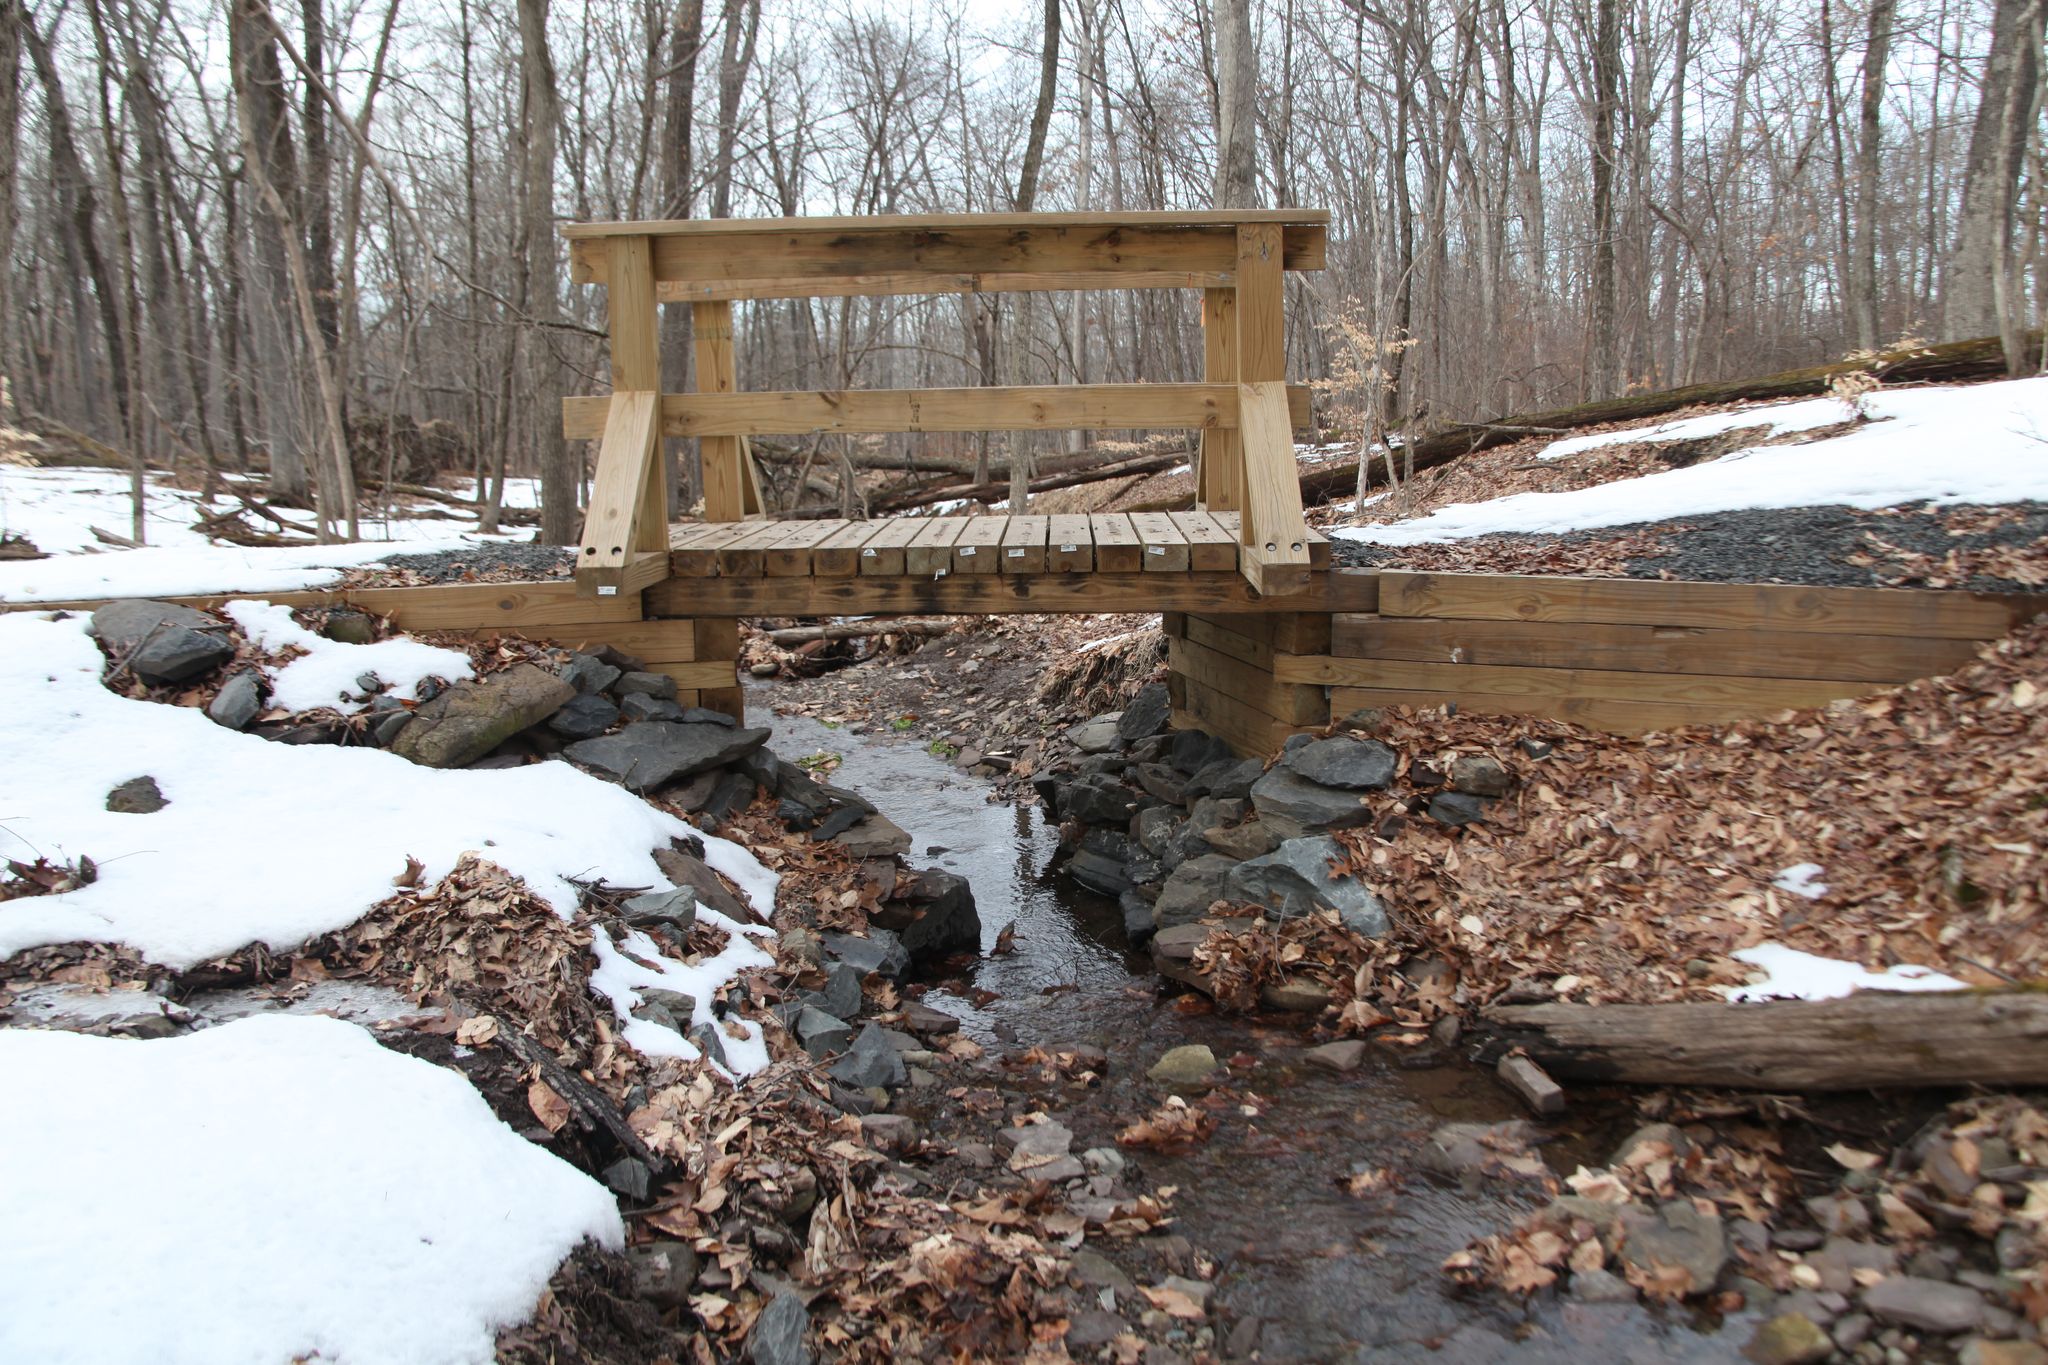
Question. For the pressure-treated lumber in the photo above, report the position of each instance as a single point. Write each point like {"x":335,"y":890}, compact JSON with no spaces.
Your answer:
{"x":1069,"y":544}
{"x":1044,"y":407}
{"x":882,"y":553}
{"x":1623,"y":601}
{"x":1164,"y":544}
{"x":1024,"y":545}
{"x":943,"y":222}
{"x":860,"y":630}
{"x":1533,"y":684}
{"x":1595,"y":713}
{"x":1248,"y":684}
{"x":917,"y":282}
{"x":1219,"y":472}
{"x":997,"y":594}
{"x":978,"y":548}
{"x":1651,"y":649}
{"x":1211,"y":546}
{"x":1116,"y":543}
{"x":931,"y":550}
{"x":1273,"y":549}
{"x":1870,"y":1040}
{"x":717,"y":373}
{"x":612,"y":528}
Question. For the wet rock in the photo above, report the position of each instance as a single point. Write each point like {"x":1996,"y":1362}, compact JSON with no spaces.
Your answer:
{"x":1189,"y":1066}
{"x":462,"y":724}
{"x":1788,"y":1339}
{"x":1841,"y":1215}
{"x":1853,"y":1329}
{"x":1099,"y":799}
{"x":692,"y":874}
{"x":1226,"y":779}
{"x":1137,"y":913}
{"x":1294,"y":880}
{"x":588,"y":673}
{"x":584,"y":715}
{"x":873,"y":836}
{"x":1097,"y":736}
{"x":1983,"y":1351}
{"x":1173,"y":951}
{"x":1651,"y":1141}
{"x":1252,"y":839}
{"x":1091,"y":1329}
{"x":893,"y":1133}
{"x":1295,"y":996}
{"x":646,"y":684}
{"x":1099,"y":872}
{"x":630,"y":1177}
{"x":1465,"y":1151}
{"x":1839,"y":1258}
{"x":1033,"y":1144}
{"x":1310,"y":805}
{"x":1347,"y":1055}
{"x":871,"y":1061}
{"x":1674,"y":1234}
{"x":1096,"y":1271}
{"x":881,"y":952}
{"x":1352,"y":764}
{"x":1193,"y":887}
{"x":822,"y":1034}
{"x":136,"y":796}
{"x":238,"y":700}
{"x":1162,"y":782}
{"x":1601,"y":1286}
{"x":650,"y":755}
{"x":1456,"y":808}
{"x":674,"y":908}
{"x":927,"y":1022}
{"x":1146,"y":714}
{"x":160,"y":642}
{"x":777,"y":1337}
{"x":1478,"y":775}
{"x":1926,"y":1305}
{"x":663,"y":1272}
{"x":932,"y":914}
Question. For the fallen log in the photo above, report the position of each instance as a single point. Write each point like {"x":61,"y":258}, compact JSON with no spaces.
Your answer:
{"x":983,"y":492}
{"x":1871,"y":1040}
{"x":857,"y":630}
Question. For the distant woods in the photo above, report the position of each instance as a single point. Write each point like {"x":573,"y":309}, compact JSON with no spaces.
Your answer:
{"x":237,"y":235}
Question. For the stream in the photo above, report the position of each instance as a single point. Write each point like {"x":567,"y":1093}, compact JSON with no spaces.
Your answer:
{"x":1306,"y":1271}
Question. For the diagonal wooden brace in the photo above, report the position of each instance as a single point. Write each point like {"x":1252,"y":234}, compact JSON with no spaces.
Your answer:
{"x":618,"y":550}
{"x":1273,"y":551}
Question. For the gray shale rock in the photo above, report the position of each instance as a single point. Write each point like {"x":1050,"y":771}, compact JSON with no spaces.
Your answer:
{"x":588,"y":673}
{"x":1478,"y":775}
{"x":1193,"y":750}
{"x":1457,"y":808}
{"x":1097,"y":736}
{"x":881,"y":952}
{"x":1353,"y":764}
{"x":1099,"y":799}
{"x":663,"y":1272}
{"x":238,"y":700}
{"x":932,"y":914}
{"x":137,"y":796}
{"x":871,"y":1061}
{"x":584,"y":716}
{"x":160,"y":642}
{"x":1194,"y":886}
{"x":1146,"y":715}
{"x":777,"y":1337}
{"x":659,"y":685}
{"x":1928,"y":1305}
{"x":1227,"y":779}
{"x":676,"y":908}
{"x":470,"y":719}
{"x":692,"y":874}
{"x":636,"y":706}
{"x":1294,"y":880}
{"x":652,"y":754}
{"x":1311,"y":805}
{"x":1675,"y":1234}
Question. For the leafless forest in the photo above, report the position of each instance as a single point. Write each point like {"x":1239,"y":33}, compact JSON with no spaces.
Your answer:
{"x":239,"y":236}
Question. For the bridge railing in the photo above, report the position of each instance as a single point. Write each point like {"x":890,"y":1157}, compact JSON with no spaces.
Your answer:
{"x":1243,"y":408}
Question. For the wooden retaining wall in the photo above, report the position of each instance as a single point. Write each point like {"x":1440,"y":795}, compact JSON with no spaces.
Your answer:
{"x":1630,"y":655}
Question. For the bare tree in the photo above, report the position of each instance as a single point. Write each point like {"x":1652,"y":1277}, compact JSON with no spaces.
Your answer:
{"x":1237,"y":79}
{"x":540,"y":113}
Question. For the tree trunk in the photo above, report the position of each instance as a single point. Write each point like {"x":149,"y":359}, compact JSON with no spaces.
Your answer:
{"x":11,"y":21}
{"x":540,"y":115}
{"x":1603,"y":379}
{"x":1237,"y":81}
{"x":677,"y":168}
{"x":1863,"y":258}
{"x":2008,"y":93}
{"x":1870,"y":1040}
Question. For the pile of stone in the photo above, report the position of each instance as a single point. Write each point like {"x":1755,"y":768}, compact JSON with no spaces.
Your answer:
{"x":1178,"y":828}
{"x":867,"y":1066}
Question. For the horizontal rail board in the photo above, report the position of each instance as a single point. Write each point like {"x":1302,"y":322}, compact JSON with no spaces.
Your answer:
{"x":1064,"y":407}
{"x":995,"y":594}
{"x":1595,"y":713}
{"x":1924,"y":613}
{"x":939,"y":222}
{"x":801,"y":250}
{"x":1650,"y":649}
{"x":1760,"y":694}
{"x":921,"y":283}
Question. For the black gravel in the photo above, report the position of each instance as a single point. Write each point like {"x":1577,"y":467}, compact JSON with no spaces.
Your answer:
{"x":1810,"y":545}
{"x":457,"y":566}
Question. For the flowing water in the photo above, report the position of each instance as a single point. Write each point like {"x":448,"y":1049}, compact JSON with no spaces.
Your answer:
{"x":1328,"y":1276}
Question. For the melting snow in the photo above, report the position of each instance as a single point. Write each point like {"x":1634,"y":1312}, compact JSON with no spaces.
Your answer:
{"x":1802,"y":879}
{"x":268,"y":1190}
{"x":1779,"y":420}
{"x":325,"y":675}
{"x":1792,"y":975}
{"x":1980,"y":443}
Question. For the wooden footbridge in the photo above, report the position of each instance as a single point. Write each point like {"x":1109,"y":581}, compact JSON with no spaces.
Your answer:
{"x":1265,"y":637}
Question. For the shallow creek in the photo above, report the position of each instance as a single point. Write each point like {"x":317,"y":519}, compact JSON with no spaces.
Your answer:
{"x":1327,"y":1276}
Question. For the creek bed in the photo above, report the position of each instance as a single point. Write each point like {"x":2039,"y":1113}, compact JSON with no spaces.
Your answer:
{"x":1322,"y":1275}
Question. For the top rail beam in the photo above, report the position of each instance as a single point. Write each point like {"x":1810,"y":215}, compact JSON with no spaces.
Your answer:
{"x":896,"y":222}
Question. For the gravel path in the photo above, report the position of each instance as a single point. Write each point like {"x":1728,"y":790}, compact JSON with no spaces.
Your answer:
{"x":489,"y":562}
{"x":1811,"y":545}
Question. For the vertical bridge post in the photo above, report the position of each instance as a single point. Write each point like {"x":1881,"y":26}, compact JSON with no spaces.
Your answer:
{"x":1273,"y":539}
{"x":625,"y":531}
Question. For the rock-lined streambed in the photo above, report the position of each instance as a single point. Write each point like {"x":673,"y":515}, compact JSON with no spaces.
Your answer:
{"x":1293,"y":1264}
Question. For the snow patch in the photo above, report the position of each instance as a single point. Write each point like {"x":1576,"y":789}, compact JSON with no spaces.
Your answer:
{"x":269,"y":1190}
{"x":1792,"y":975}
{"x":1802,"y":879}
{"x":325,"y":675}
{"x":1780,"y":420}
{"x":1980,"y":443}
{"x":624,"y":970}
{"x":264,"y":842}
{"x":192,"y":570}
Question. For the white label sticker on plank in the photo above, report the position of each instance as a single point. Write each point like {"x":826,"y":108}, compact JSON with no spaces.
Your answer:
{"x":1070,"y":549}
{"x":966,"y":550}
{"x":1016,"y":554}
{"x":867,"y":554}
{"x":1155,"y":549}
{"x":607,"y":591}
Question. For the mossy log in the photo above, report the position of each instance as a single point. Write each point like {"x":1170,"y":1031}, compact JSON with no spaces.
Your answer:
{"x":1871,"y":1040}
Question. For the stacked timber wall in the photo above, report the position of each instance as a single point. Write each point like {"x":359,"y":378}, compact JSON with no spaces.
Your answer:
{"x":1226,"y":675}
{"x":1629,"y":655}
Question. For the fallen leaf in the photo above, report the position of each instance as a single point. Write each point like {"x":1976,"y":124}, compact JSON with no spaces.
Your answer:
{"x":551,"y":1109}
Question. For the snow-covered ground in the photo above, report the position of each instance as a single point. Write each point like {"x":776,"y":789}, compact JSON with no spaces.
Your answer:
{"x":56,"y":509}
{"x":268,"y":1190}
{"x":1978,"y":443}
